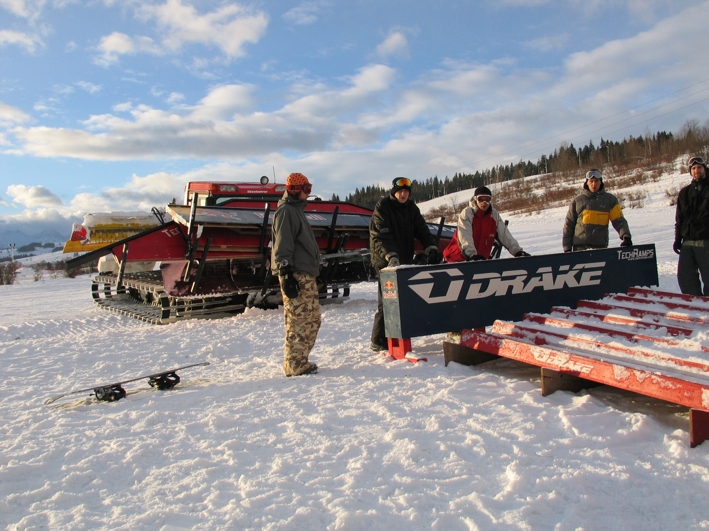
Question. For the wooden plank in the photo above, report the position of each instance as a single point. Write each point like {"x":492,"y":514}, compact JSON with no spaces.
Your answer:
{"x":698,"y":427}
{"x":669,"y":295}
{"x":558,"y":381}
{"x":638,"y":376}
{"x":543,"y":336}
{"x":465,"y":355}
{"x":634,"y":322}
{"x":637,"y":312}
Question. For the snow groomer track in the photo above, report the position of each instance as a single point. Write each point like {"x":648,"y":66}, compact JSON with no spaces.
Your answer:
{"x":142,"y":295}
{"x":648,"y":341}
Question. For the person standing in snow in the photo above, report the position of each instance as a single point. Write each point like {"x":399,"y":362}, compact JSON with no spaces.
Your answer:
{"x":478,"y":224}
{"x":692,"y":231}
{"x":395,"y":225}
{"x":295,"y":257}
{"x":586,"y":224}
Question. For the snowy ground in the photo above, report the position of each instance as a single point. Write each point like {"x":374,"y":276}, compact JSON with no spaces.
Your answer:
{"x":368,"y":443}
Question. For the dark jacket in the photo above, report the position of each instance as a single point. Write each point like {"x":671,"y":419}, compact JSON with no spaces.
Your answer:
{"x":692,"y":217}
{"x":586,"y":223}
{"x":293,"y":239}
{"x":393,"y":228}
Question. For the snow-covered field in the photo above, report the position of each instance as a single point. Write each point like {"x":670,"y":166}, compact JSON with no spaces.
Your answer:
{"x":368,"y":443}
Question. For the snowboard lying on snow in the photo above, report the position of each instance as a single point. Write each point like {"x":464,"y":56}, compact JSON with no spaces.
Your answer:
{"x":114,"y":391}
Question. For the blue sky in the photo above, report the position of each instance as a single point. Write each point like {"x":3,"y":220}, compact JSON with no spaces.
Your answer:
{"x":113,"y":105}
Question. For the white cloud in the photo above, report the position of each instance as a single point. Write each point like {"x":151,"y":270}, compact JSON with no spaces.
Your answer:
{"x":10,"y":115}
{"x":305,"y":13}
{"x":25,"y":40}
{"x":91,"y":88}
{"x":48,"y":105}
{"x":23,"y":8}
{"x":175,"y":97}
{"x":395,"y":45}
{"x":228,"y":28}
{"x":116,"y":44}
{"x":32,"y":196}
{"x":123,"y":107}
{"x":457,"y":117}
{"x":644,"y":11}
{"x":549,"y":43}
{"x":221,"y":125}
{"x":223,"y":102}
{"x":640,"y":55}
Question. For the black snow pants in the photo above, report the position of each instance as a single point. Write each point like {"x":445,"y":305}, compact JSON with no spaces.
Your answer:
{"x":693,"y":262}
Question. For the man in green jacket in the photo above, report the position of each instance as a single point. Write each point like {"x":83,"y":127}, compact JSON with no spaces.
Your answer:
{"x":586,"y":224}
{"x":295,"y":257}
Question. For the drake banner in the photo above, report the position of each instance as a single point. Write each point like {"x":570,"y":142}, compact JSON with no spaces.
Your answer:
{"x":425,"y":300}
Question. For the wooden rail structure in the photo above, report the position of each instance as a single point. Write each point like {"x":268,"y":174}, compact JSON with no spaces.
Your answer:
{"x":642,"y":342}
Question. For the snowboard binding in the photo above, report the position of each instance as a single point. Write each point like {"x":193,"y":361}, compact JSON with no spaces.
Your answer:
{"x":164,"y":381}
{"x":110,"y":393}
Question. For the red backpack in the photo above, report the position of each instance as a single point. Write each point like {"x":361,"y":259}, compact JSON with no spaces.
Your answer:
{"x":452,"y":252}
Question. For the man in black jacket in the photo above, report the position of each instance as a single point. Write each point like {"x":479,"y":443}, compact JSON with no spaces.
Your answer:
{"x":396,"y":223}
{"x":692,"y":231}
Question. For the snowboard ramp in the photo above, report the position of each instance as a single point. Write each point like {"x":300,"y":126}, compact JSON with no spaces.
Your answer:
{"x":641,"y":342}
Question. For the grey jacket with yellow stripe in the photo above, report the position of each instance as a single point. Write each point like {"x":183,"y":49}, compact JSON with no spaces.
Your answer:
{"x":586,"y":224}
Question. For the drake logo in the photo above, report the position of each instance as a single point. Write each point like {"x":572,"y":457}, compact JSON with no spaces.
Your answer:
{"x":515,"y":281}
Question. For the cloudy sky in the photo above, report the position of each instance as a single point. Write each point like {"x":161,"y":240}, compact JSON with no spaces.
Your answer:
{"x":113,"y":105}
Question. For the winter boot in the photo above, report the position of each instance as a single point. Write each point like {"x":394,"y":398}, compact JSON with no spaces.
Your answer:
{"x":378,"y":347}
{"x":310,"y":368}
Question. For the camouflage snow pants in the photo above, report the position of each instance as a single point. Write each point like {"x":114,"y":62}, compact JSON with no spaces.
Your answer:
{"x":302,"y":316}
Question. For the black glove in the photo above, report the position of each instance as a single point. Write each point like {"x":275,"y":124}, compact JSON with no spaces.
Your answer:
{"x":434,"y":256}
{"x":677,"y":246}
{"x":394,"y":261}
{"x":627,"y":242}
{"x":476,"y":257}
{"x":289,"y":285}
{"x":519,"y":254}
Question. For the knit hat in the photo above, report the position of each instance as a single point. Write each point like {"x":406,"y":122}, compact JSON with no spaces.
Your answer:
{"x":400,"y":183}
{"x":297,"y":182}
{"x":482,"y":190}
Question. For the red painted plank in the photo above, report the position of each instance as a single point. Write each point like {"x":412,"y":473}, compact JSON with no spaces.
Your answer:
{"x":645,"y":292}
{"x":639,"y":312}
{"x":572,"y":325}
{"x":672,"y":330}
{"x":546,"y":337}
{"x":683,"y":392}
{"x":668,"y":304}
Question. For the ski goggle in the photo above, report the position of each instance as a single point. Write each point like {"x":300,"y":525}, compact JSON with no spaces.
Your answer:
{"x":594,"y":174}
{"x":307,"y":188}
{"x":402,"y":182}
{"x":696,"y":160}
{"x":485,"y":199}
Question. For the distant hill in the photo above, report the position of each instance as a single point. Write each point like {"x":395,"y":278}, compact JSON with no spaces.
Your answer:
{"x":19,"y":238}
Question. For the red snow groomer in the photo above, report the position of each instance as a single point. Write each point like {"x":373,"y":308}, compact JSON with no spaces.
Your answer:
{"x":213,"y":257}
